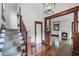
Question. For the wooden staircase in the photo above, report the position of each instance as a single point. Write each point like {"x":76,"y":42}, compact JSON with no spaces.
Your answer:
{"x":26,"y":39}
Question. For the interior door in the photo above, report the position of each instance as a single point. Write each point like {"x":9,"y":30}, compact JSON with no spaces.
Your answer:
{"x":38,"y":35}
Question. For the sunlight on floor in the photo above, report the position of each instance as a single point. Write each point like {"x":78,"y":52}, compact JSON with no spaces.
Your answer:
{"x":63,"y":50}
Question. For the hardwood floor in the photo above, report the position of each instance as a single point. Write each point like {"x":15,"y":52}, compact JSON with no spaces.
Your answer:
{"x":38,"y":49}
{"x":64,"y":50}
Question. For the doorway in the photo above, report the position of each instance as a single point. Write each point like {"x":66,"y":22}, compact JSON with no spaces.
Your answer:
{"x":38,"y":36}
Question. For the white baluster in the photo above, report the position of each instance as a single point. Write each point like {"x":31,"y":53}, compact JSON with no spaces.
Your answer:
{"x":2,"y":40}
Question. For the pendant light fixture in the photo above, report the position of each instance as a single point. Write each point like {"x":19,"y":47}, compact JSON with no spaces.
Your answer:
{"x":49,"y":8}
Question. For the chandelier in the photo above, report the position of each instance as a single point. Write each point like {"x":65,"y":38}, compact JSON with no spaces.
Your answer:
{"x":49,"y":8}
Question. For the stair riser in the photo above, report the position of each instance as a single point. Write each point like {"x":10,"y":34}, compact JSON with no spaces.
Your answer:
{"x":10,"y":47}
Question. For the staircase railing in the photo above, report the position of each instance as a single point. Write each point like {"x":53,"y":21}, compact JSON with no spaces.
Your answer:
{"x":2,"y":38}
{"x":27,"y":41}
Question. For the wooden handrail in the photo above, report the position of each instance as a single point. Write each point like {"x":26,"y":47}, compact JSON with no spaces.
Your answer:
{"x":22,"y":24}
{"x":27,"y":41}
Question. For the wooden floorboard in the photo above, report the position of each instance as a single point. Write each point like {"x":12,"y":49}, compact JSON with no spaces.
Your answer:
{"x":64,"y":50}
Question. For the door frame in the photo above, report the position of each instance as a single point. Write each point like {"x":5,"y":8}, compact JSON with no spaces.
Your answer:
{"x":38,"y":22}
{"x":73,"y":10}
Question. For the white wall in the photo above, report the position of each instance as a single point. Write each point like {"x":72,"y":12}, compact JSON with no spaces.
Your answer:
{"x":11,"y":15}
{"x":65,"y":23}
{"x":32,"y":12}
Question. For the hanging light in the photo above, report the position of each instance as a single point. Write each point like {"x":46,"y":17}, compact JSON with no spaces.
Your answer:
{"x":49,"y":8}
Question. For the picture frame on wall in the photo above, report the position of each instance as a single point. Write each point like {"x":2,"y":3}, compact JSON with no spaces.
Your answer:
{"x":56,"y":27}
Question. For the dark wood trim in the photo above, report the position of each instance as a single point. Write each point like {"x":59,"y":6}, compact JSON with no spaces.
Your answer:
{"x":45,"y":21}
{"x":71,"y":10}
{"x":47,"y":33}
{"x":73,"y":25}
{"x":24,"y":33}
{"x":22,"y":26}
{"x":55,"y":35}
{"x":44,"y":24}
{"x":75,"y":35}
{"x":27,"y":41}
{"x":75,"y":21}
{"x":37,"y":22}
{"x":49,"y":25}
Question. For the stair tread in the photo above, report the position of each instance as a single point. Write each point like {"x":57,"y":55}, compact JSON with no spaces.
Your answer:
{"x":12,"y":54}
{"x":9,"y":48}
{"x":11,"y":51}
